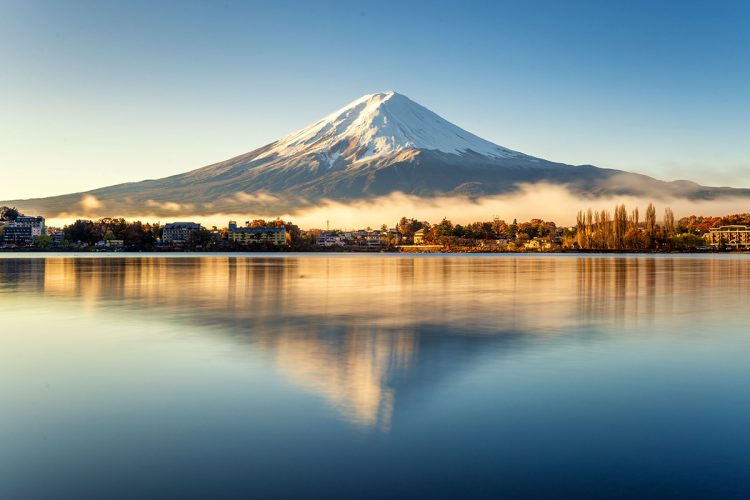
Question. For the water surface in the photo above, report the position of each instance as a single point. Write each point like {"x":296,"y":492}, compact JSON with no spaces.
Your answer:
{"x":336,"y":376}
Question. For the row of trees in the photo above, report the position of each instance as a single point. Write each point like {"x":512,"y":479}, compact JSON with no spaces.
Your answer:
{"x":698,"y":224}
{"x":623,"y":230}
{"x":446,"y":231}
{"x":137,"y":235}
{"x":134,"y":234}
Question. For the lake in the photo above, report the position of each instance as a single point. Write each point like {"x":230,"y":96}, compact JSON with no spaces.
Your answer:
{"x":377,"y":376}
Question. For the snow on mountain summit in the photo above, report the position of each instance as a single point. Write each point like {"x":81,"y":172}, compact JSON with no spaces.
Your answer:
{"x":381,"y":124}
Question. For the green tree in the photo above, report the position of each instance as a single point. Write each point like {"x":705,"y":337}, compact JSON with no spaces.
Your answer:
{"x":445,"y":228}
{"x":687,"y":241}
{"x":8,"y":214}
{"x":43,"y":241}
{"x":201,"y":238}
{"x":82,"y":231}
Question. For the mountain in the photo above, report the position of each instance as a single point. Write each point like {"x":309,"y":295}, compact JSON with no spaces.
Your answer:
{"x":377,"y":145}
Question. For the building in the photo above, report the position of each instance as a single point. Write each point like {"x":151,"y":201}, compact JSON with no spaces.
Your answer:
{"x":729,"y":236}
{"x":24,"y":229}
{"x":179,"y":233}
{"x":374,"y":239}
{"x":58,"y":238}
{"x":391,"y":236}
{"x":329,"y":240}
{"x":539,"y":244}
{"x":252,"y":235}
{"x":110,"y":244}
{"x":499,"y":243}
{"x":419,"y":237}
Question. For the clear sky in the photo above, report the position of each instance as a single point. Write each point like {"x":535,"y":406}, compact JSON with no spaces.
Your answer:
{"x":97,"y":92}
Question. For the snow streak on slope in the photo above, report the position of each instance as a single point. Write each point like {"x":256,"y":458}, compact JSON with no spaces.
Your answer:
{"x":382,"y":124}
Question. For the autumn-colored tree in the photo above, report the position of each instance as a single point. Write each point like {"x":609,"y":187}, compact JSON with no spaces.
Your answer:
{"x":408,"y":227}
{"x":500,"y":228}
{"x":620,"y":226}
{"x":669,"y":227}
{"x":581,"y":229}
{"x":635,"y":222}
{"x":650,"y":222}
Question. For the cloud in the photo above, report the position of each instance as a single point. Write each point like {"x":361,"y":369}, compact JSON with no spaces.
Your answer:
{"x":259,"y":197}
{"x":544,"y":201}
{"x":170,"y":206}
{"x":90,"y":203}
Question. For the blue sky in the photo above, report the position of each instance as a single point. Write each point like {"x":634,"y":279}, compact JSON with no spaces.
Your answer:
{"x":97,"y":92}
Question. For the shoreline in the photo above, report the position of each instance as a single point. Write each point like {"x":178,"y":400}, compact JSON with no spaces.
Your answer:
{"x":166,"y":253}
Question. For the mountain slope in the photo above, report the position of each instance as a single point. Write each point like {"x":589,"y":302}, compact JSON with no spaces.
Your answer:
{"x":379,"y":144}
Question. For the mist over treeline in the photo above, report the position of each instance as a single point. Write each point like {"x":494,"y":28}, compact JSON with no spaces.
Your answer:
{"x":529,"y":201}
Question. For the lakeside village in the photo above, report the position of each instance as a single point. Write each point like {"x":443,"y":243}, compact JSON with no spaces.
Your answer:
{"x":602,"y":231}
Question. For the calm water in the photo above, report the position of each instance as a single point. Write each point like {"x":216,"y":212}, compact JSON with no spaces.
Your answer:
{"x":368,"y":376}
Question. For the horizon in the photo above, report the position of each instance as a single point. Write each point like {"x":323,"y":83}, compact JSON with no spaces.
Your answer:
{"x":95,"y":106}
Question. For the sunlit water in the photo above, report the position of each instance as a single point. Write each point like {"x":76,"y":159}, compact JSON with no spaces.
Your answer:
{"x":374,"y":376}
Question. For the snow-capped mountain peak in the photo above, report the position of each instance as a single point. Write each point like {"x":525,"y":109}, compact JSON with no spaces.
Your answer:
{"x":381,"y":124}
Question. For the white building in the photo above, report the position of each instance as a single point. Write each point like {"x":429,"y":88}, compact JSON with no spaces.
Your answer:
{"x":729,"y":236}
{"x":24,"y":229}
{"x":179,"y":233}
{"x":329,"y":240}
{"x":253,"y":235}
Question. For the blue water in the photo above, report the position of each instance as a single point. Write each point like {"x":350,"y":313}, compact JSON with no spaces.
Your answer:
{"x":316,"y":376}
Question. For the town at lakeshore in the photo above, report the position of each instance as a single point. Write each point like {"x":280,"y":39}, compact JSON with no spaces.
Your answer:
{"x":596,"y":231}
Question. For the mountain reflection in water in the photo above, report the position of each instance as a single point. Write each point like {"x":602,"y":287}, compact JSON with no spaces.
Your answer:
{"x":358,"y":330}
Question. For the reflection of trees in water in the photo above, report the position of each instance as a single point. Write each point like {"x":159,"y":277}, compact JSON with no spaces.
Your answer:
{"x":624,"y":289}
{"x":357,"y":329}
{"x":644,"y":290}
{"x":22,"y":275}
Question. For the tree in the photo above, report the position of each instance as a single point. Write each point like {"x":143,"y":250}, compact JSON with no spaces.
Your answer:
{"x":634,"y":219}
{"x":200,"y":238}
{"x":293,"y":234}
{"x":500,"y":228}
{"x":620,"y":226}
{"x":651,"y":225}
{"x":581,"y":229}
{"x":445,"y":228}
{"x":513,"y":229}
{"x":8,"y":214}
{"x":686,"y":241}
{"x":605,"y":230}
{"x":43,"y":241}
{"x":407,"y":227}
{"x":668,"y":222}
{"x":82,"y":231}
